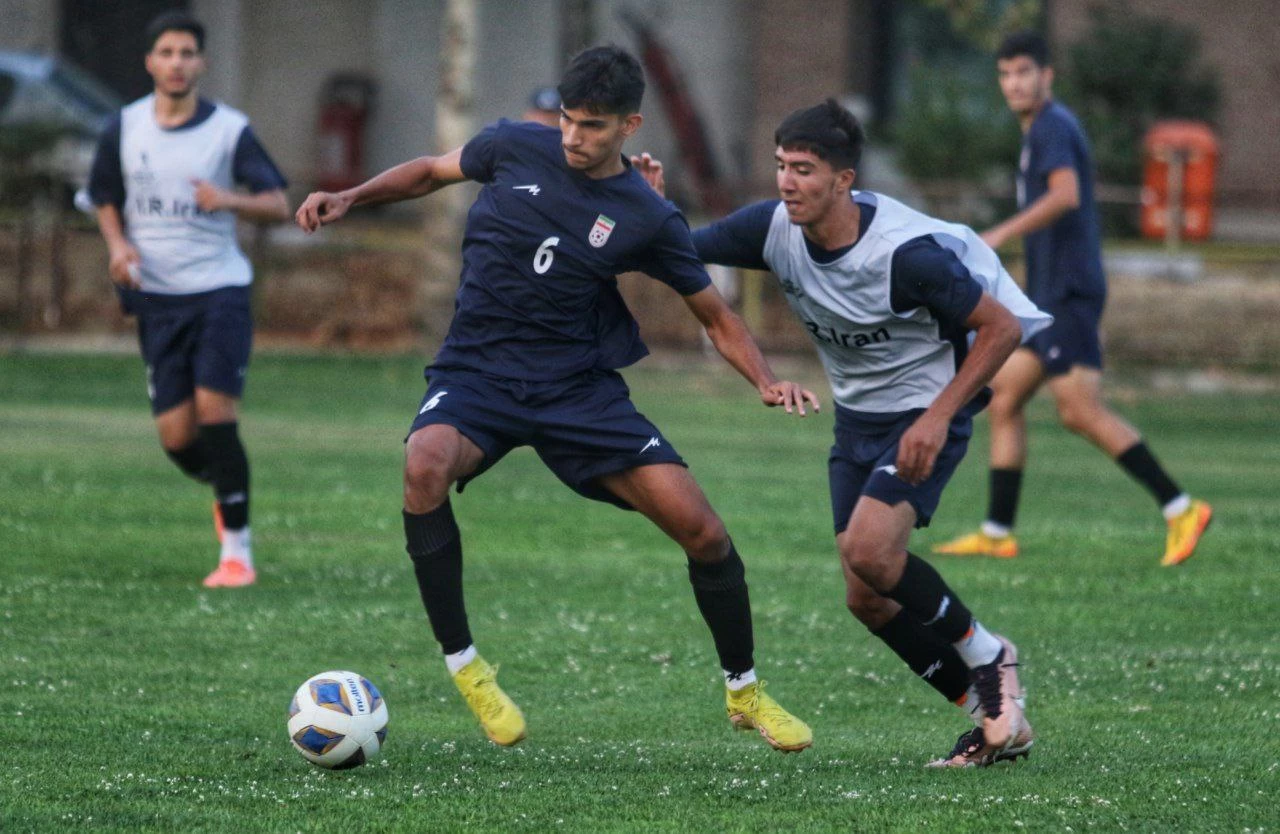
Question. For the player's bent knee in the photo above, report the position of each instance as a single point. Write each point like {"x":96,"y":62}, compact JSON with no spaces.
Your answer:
{"x":426,"y":479}
{"x":868,"y":607}
{"x":707,"y":540}
{"x":1004,"y":407}
{"x":1076,"y":419}
{"x":865,"y":557}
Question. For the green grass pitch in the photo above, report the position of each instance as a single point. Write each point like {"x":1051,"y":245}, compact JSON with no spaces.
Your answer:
{"x":131,"y":699}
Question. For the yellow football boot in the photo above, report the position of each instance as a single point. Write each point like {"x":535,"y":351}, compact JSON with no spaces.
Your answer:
{"x":501,"y":719}
{"x":1185,"y":530}
{"x":750,"y":709}
{"x":980,"y":544}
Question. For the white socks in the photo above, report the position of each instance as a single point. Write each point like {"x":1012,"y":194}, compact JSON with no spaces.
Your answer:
{"x":979,"y":647}
{"x":739,"y":681}
{"x":995,"y":531}
{"x":457,"y":660}
{"x":235,"y":547}
{"x":1176,"y":507}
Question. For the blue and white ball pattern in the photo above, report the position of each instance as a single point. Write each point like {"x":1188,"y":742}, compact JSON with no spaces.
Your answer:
{"x":337,"y":720}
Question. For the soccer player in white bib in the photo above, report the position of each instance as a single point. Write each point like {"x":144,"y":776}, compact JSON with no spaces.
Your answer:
{"x":911,"y":317}
{"x":167,"y":184}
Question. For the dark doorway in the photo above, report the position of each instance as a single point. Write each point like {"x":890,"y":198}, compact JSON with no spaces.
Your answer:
{"x":109,"y":40}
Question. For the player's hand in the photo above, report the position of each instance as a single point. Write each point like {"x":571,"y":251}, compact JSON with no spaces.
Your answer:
{"x":211,"y":198}
{"x":992,"y":238}
{"x":651,"y":170}
{"x":919,"y":447}
{"x":123,"y":267}
{"x":790,"y":396}
{"x":321,"y":208}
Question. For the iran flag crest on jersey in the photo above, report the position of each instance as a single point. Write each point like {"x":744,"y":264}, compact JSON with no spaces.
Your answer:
{"x":600,"y":231}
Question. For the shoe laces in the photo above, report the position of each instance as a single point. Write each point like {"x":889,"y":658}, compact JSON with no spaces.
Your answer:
{"x":488,"y":695}
{"x":763,"y":706}
{"x":986,"y":680}
{"x":969,"y":743}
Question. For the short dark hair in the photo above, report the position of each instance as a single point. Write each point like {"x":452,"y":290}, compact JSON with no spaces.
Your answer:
{"x":603,"y":79}
{"x":1026,"y":42}
{"x":174,"y":21}
{"x":826,"y":130}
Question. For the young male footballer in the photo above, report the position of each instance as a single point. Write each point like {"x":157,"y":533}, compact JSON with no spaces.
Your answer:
{"x":172,"y":173}
{"x":1058,"y":222}
{"x":532,"y":357}
{"x":911,"y":317}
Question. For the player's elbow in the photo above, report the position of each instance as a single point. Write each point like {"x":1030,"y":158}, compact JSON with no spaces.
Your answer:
{"x":1004,"y":332}
{"x":1010,"y":335}
{"x":1067,"y":197}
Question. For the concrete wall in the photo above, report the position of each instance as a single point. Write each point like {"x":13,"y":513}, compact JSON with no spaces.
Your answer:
{"x":801,"y":55}
{"x":29,"y":25}
{"x":275,"y":69}
{"x":1238,"y":39}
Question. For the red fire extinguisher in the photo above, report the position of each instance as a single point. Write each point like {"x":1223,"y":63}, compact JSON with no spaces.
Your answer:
{"x":345,"y":105}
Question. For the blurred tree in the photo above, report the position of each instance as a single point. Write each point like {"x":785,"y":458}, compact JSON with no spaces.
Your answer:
{"x":446,"y":212}
{"x":29,"y":189}
{"x":954,"y":127}
{"x":952,"y":123}
{"x":984,"y":22}
{"x":1127,"y":72}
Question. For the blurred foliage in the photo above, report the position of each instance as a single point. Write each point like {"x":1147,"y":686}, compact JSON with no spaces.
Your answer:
{"x":984,"y":22}
{"x":23,"y":147}
{"x":952,"y":121}
{"x":1129,"y":71}
{"x":954,"y":128}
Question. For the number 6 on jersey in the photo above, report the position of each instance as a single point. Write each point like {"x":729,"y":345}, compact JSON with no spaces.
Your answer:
{"x":544,"y":256}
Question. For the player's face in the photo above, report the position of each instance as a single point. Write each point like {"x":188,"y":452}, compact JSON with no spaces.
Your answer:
{"x":809,"y":186}
{"x":175,"y":63}
{"x":593,"y":141}
{"x":1025,"y":83}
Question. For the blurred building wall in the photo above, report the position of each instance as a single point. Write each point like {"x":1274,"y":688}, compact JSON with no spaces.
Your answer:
{"x":801,"y":55}
{"x":1239,"y":40}
{"x":276,"y":67}
{"x":29,"y":25}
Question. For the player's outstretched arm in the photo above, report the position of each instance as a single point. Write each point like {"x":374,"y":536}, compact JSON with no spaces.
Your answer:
{"x":406,"y":181}
{"x":731,"y":338}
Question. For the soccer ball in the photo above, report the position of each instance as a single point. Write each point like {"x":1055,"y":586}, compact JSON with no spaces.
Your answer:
{"x":337,"y":720}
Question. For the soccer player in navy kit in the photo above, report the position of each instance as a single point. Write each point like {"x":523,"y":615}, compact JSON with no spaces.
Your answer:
{"x":164,"y":181}
{"x":531,"y":358}
{"x":1059,"y":224}
{"x":911,"y":317}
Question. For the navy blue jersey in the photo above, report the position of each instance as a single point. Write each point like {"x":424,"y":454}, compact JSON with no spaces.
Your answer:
{"x":538,"y":298}
{"x":1064,"y":260}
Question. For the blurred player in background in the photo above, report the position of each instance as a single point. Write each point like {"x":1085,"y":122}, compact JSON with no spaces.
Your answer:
{"x":911,"y":317}
{"x":531,"y":357}
{"x":544,"y":107}
{"x":1059,"y":224}
{"x":165,"y":181}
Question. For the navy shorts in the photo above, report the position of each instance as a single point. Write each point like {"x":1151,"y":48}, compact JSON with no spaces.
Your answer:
{"x":202,"y":339}
{"x":581,"y":427}
{"x":1072,"y":339}
{"x":863,"y":462}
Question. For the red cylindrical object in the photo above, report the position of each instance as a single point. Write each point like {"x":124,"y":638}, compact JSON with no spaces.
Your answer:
{"x":345,"y":106}
{"x":1193,"y":148}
